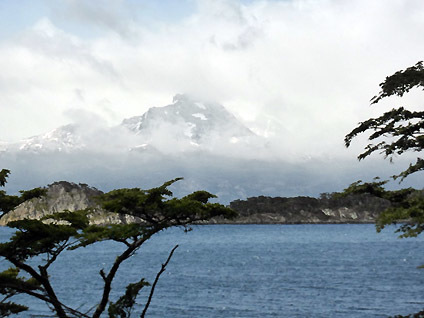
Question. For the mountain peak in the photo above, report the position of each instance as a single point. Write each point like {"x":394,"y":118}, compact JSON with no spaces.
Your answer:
{"x":62,"y":139}
{"x":186,"y":124}
{"x":181,"y":98}
{"x":188,"y":119}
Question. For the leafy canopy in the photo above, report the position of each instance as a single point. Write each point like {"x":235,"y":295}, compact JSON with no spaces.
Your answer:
{"x":398,"y":130}
{"x":56,"y":233}
{"x":394,"y":133}
{"x":9,"y":202}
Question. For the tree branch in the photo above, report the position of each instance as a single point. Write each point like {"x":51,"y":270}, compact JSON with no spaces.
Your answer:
{"x":55,"y":254}
{"x":43,"y":279}
{"x":41,"y":297}
{"x":58,"y":306}
{"x":111,"y":275}
{"x":152,"y":290}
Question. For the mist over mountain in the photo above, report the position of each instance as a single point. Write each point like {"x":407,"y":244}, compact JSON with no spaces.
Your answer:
{"x":200,"y":141}
{"x":190,"y":123}
{"x":62,"y":139}
{"x":183,"y":126}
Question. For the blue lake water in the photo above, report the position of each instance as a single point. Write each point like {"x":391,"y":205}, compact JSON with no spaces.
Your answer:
{"x":256,"y":271}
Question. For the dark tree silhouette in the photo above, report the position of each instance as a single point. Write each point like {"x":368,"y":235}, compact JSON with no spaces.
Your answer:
{"x":394,"y":133}
{"x":56,"y":233}
{"x":398,"y":130}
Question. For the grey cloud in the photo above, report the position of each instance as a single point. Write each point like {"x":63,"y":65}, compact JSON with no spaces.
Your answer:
{"x":228,"y":10}
{"x":229,"y":178}
{"x":55,"y":44}
{"x":115,"y":15}
{"x":245,"y":39}
{"x":84,"y":117}
{"x":243,"y":26}
{"x":311,"y":65}
{"x":79,"y":93}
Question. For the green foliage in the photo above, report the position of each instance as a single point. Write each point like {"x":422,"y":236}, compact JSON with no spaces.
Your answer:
{"x":407,"y":206}
{"x":9,"y":202}
{"x":401,"y":82}
{"x":416,"y":315}
{"x":9,"y":308}
{"x":34,"y":193}
{"x":150,"y":206}
{"x":123,"y":306}
{"x":113,"y":232}
{"x":34,"y":238}
{"x":200,"y":196}
{"x":394,"y":133}
{"x":398,"y":130}
{"x":11,"y":284}
{"x":79,"y":220}
{"x":358,"y":187}
{"x":4,"y":173}
{"x":418,"y":166}
{"x":10,"y":280}
{"x":56,"y":233}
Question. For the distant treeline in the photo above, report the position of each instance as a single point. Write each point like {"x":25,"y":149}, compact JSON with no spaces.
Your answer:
{"x":328,"y":208}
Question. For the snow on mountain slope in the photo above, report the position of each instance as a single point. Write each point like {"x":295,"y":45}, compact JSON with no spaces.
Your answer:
{"x":63,"y":139}
{"x":185,"y":125}
{"x":188,"y":122}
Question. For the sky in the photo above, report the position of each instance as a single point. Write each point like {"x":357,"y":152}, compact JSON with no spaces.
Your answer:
{"x":300,"y":72}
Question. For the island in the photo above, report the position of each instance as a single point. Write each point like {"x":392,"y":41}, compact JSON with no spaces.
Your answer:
{"x":328,"y":208}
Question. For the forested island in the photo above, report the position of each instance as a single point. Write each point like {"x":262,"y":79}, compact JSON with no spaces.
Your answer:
{"x":328,"y":208}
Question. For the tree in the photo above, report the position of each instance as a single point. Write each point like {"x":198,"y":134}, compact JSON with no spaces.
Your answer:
{"x":8,"y":202}
{"x":398,"y":130}
{"x":56,"y":233}
{"x":394,"y":133}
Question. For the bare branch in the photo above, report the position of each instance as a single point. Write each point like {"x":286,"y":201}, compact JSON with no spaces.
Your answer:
{"x":111,"y":275}
{"x":56,"y":253}
{"x":152,"y":290}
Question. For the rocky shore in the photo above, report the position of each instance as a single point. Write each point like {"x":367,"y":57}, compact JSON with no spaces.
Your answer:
{"x":65,"y":196}
{"x":362,"y":208}
{"x":329,"y":208}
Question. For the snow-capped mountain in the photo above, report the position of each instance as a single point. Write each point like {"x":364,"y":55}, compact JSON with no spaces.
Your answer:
{"x":200,"y":141}
{"x":63,"y":139}
{"x":197,"y":123}
{"x":184,"y":125}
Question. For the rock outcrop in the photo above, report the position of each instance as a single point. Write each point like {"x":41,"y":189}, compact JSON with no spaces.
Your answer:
{"x":62,"y":196}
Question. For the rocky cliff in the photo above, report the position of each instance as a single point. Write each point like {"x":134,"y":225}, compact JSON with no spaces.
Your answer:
{"x":63,"y":196}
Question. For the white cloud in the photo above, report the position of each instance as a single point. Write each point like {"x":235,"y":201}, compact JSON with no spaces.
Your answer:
{"x":301,"y":71}
{"x":116,"y":16}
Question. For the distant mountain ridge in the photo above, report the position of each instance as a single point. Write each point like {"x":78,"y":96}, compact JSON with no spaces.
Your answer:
{"x":200,"y":141}
{"x":199,"y":120}
{"x":187,"y":123}
{"x":62,"y":139}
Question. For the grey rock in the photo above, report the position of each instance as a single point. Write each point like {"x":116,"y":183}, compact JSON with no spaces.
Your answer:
{"x":66,"y":196}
